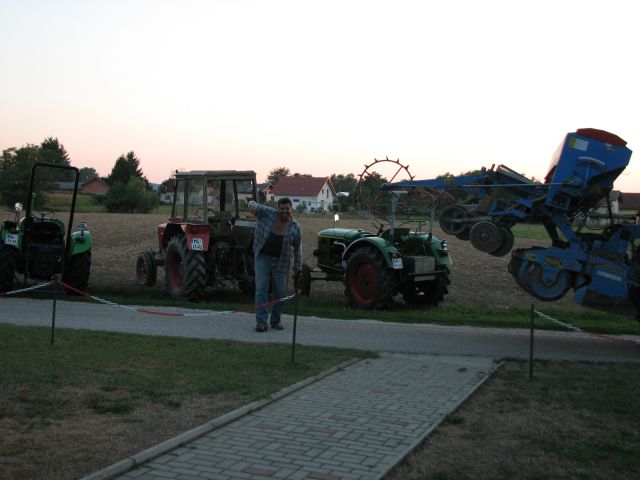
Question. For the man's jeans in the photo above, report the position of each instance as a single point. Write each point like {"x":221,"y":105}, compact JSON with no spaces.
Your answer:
{"x":267,"y":273}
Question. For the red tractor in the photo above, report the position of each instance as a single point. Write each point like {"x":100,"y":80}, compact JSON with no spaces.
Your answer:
{"x":208,"y":239}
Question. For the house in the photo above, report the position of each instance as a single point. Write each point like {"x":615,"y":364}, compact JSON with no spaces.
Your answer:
{"x":95,"y":186}
{"x":624,"y":208}
{"x":309,"y":193}
{"x":629,"y":203}
{"x":265,"y":191}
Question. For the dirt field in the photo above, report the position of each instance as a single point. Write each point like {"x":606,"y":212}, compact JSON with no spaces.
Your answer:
{"x":477,"y":278}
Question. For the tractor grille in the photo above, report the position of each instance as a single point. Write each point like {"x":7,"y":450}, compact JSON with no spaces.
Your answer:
{"x":419,"y":265}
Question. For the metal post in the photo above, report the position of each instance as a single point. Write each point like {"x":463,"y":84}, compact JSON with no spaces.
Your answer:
{"x":295,"y":324}
{"x":531,"y":345}
{"x":56,"y":278}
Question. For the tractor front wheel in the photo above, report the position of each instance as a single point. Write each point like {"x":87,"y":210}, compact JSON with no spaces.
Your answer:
{"x":368,"y":280}
{"x":8,"y":258}
{"x":185,"y":270}
{"x":428,"y":293}
{"x":146,"y":269}
{"x":77,"y":272}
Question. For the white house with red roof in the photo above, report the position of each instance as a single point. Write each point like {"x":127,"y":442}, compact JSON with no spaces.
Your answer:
{"x":315,"y":193}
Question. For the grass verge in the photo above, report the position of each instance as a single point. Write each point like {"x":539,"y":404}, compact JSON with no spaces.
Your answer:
{"x":94,"y":397}
{"x":572,"y":421}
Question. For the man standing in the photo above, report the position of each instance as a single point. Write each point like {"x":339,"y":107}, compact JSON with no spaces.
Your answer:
{"x":276,"y":238}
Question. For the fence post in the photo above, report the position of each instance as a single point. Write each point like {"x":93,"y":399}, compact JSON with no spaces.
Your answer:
{"x":531,"y":344}
{"x":295,"y":323}
{"x":56,"y":278}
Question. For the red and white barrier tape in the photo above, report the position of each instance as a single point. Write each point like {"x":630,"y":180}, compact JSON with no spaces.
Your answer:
{"x":580,"y":330}
{"x":146,"y":310}
{"x":27,"y":289}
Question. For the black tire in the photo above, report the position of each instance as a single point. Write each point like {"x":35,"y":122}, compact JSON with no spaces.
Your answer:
{"x":368,"y":280}
{"x":427,"y":294}
{"x":8,"y":258}
{"x":305,"y":279}
{"x":185,"y":270}
{"x":77,"y":272}
{"x":146,"y":269}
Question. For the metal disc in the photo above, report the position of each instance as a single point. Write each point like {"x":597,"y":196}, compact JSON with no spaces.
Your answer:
{"x":485,"y":236}
{"x":505,"y":245}
{"x":453,"y":219}
{"x":548,"y":289}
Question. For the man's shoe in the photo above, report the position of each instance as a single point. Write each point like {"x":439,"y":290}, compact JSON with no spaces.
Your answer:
{"x":277,"y":326}
{"x":261,"y":327}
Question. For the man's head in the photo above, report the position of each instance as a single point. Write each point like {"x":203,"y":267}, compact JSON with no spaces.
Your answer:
{"x":283,"y":201}
{"x":284,"y":208}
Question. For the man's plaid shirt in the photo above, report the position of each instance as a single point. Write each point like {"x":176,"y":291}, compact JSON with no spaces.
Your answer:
{"x":291,"y":241}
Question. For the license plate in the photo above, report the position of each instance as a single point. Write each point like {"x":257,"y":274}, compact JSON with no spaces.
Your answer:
{"x":197,"y":244}
{"x":397,"y":263}
{"x":11,"y":239}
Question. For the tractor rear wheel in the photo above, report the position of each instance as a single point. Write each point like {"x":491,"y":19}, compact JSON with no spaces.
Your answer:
{"x":8,"y":258}
{"x":77,"y":271}
{"x":146,"y":269}
{"x":185,"y":270}
{"x":368,"y":280}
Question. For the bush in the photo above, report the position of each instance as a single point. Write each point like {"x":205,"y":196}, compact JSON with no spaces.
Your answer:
{"x":131,"y":197}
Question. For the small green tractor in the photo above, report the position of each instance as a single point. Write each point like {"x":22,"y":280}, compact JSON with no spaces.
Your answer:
{"x":208,"y":239}
{"x":35,"y":245}
{"x":376,"y":267}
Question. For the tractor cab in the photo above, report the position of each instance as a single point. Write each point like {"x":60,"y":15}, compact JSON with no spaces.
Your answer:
{"x":208,"y":238}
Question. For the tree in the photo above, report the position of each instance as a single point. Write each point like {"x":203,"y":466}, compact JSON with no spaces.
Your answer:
{"x":16,"y":165}
{"x":52,"y":151}
{"x":126,"y":167}
{"x":276,"y":173}
{"x":168,"y":185}
{"x":132,"y":197}
{"x":344,"y":183}
{"x":369,"y":194}
{"x":87,"y":173}
{"x":15,"y":173}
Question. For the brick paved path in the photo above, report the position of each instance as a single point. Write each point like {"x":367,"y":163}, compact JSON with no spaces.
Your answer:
{"x":356,"y":423}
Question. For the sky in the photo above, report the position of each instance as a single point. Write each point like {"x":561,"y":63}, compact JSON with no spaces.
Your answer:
{"x":318,"y":87}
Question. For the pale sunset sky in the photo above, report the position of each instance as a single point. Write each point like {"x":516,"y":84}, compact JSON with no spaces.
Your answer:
{"x":319,"y":87}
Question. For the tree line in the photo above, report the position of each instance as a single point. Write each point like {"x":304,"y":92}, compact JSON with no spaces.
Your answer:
{"x":129,"y":189}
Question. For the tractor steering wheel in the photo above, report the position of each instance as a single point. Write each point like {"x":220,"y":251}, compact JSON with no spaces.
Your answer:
{"x":45,"y":213}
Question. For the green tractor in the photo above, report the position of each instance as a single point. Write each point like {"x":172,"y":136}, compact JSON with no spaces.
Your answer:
{"x":35,"y":245}
{"x":376,"y":267}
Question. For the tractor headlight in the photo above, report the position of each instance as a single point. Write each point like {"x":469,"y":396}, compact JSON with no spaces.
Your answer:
{"x":445,"y":247}
{"x":82,"y":227}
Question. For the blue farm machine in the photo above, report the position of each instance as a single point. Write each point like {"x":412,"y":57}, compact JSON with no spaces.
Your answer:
{"x":602,"y":267}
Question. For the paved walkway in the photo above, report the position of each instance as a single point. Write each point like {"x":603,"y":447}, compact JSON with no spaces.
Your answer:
{"x":355,"y":423}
